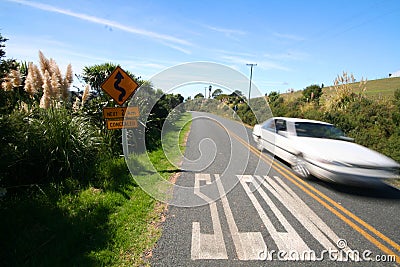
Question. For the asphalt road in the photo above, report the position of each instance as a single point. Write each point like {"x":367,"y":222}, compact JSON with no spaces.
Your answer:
{"x":248,"y":209}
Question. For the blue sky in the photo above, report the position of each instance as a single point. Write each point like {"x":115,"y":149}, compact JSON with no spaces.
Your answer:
{"x":294,"y":43}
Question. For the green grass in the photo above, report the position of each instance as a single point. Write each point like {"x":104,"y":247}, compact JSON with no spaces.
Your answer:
{"x":383,"y":87}
{"x":183,"y":134}
{"x":380,"y":88}
{"x":110,"y":222}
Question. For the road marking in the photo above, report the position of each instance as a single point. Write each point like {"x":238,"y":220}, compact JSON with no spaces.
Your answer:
{"x":248,"y":244}
{"x":207,"y":246}
{"x":306,"y":216}
{"x":296,"y":180}
{"x":251,"y":245}
{"x":286,"y":241}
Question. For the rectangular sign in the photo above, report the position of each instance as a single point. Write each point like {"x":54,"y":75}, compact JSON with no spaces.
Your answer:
{"x":120,"y":112}
{"x":121,"y":123}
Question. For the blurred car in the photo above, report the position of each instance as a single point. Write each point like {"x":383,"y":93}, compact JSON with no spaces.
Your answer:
{"x":320,"y":149}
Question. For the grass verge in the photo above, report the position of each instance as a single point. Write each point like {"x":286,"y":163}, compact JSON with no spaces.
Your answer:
{"x":107,"y":222}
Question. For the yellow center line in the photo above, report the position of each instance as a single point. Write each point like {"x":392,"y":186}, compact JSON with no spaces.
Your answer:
{"x":291,"y":177}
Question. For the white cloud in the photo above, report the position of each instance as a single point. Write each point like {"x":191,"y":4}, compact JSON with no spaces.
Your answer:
{"x":289,"y":55}
{"x":396,"y":74}
{"x":183,"y":50}
{"x":263,"y":64}
{"x":165,"y":39}
{"x":236,"y":54}
{"x":288,"y":36}
{"x":227,"y":32}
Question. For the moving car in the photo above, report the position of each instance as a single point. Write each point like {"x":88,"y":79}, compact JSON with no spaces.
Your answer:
{"x":320,"y":149}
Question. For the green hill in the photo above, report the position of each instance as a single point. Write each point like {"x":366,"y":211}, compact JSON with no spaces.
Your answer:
{"x":377,"y":88}
{"x":380,"y":88}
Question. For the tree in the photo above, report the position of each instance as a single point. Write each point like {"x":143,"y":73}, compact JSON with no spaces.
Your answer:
{"x":97,"y":74}
{"x":199,"y":95}
{"x":312,"y":93}
{"x":273,"y":96}
{"x":216,"y":93}
{"x":2,"y":45}
{"x":237,"y":93}
{"x":8,"y":97}
{"x":5,"y":64}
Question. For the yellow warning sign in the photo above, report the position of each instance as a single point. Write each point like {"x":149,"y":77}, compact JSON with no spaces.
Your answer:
{"x":119,"y":85}
{"x":121,"y":123}
{"x":120,"y":112}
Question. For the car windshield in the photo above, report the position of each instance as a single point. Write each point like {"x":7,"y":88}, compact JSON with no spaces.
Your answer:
{"x":318,"y":130}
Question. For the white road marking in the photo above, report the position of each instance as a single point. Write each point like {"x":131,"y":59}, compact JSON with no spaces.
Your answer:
{"x":248,"y":244}
{"x":286,"y":241}
{"x":308,"y":218}
{"x":251,"y":245}
{"x":207,"y":246}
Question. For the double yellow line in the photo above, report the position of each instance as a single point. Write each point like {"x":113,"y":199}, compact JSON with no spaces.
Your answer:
{"x":344,"y":214}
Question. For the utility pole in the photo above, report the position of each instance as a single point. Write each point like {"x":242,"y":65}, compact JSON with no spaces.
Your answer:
{"x":251,"y":76}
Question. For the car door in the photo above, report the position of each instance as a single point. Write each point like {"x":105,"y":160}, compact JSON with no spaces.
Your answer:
{"x":282,"y":142}
{"x":268,"y":135}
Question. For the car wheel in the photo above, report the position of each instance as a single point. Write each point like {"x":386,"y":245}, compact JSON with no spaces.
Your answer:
{"x":300,"y":168}
{"x":259,"y":144}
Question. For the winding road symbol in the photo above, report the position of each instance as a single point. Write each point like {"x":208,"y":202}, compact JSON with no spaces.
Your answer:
{"x":119,"y":85}
{"x":118,"y":79}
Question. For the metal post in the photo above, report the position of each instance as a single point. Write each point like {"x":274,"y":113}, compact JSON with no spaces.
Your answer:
{"x":251,"y":76}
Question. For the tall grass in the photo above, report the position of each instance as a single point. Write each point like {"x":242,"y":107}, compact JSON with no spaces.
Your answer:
{"x":47,"y":145}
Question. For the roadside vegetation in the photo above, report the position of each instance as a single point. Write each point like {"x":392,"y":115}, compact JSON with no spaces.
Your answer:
{"x":67,"y":197}
{"x":371,"y":120}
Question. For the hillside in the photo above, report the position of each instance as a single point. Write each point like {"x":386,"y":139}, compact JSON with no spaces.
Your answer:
{"x":377,"y":88}
{"x":380,"y":88}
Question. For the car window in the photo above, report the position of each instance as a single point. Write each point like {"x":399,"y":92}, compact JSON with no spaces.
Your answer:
{"x":317,"y":130}
{"x":269,"y":125}
{"x":280,"y":125}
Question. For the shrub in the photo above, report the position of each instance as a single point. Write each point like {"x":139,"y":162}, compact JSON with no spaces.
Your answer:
{"x":48,"y":145}
{"x":312,"y":93}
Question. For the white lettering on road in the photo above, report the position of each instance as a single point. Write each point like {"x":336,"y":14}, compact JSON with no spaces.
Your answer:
{"x":207,"y":246}
{"x":249,"y":244}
